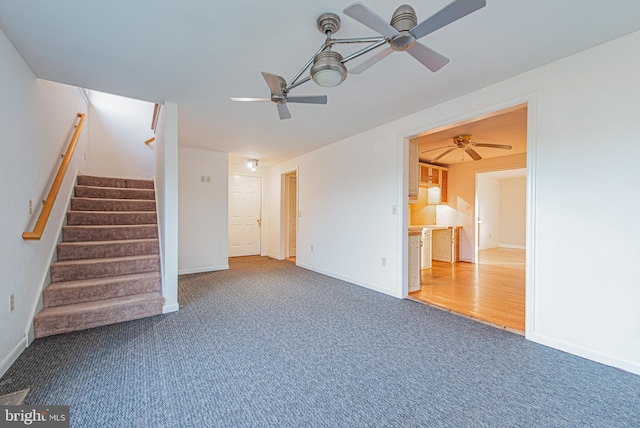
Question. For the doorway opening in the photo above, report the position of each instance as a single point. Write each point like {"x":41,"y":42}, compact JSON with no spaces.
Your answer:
{"x":484,"y":279}
{"x":290,"y":215}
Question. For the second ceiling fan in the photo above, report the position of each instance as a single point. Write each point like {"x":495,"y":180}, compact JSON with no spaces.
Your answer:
{"x":463,"y":142}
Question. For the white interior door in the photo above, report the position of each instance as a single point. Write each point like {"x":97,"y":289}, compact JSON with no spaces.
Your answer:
{"x":292,"y":193}
{"x":244,"y":215}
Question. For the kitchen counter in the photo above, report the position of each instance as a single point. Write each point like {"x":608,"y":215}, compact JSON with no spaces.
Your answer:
{"x":429,"y":226}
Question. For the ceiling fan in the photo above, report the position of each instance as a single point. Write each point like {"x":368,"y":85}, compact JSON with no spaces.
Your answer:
{"x":280,"y":95}
{"x":464,"y":142}
{"x":404,"y":31}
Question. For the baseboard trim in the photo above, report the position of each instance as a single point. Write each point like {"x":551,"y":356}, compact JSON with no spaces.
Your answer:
{"x":13,"y":356}
{"x":273,"y":256}
{"x":515,"y":247}
{"x":167,"y":309}
{"x":202,"y":270}
{"x":347,"y":279}
{"x":589,"y":354}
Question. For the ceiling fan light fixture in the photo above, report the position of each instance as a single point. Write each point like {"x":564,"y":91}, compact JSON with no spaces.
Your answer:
{"x":327,"y":69}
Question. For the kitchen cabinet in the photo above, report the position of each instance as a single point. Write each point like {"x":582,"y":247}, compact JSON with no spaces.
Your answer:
{"x":445,"y":244}
{"x":435,"y":176}
{"x":414,"y":258}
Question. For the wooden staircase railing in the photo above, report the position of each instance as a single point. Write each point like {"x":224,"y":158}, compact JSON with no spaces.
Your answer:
{"x":38,"y":229}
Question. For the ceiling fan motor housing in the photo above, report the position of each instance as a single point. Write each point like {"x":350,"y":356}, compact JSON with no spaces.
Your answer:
{"x":462,"y":140}
{"x":328,"y":22}
{"x":404,"y":19}
{"x":282,"y":97}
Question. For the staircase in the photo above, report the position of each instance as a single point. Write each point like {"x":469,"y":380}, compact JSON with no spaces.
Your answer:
{"x":108,"y":267}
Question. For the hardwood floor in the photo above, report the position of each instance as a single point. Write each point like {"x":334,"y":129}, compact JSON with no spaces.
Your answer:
{"x":491,"y":291}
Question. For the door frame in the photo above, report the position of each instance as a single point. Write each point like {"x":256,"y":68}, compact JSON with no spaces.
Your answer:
{"x":284,"y":212}
{"x":476,"y":242}
{"x":531,"y":99}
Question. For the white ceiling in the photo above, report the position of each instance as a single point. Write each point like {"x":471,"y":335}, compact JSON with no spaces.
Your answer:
{"x":198,"y":53}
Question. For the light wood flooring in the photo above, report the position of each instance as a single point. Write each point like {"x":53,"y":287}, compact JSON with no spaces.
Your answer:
{"x":491,"y":291}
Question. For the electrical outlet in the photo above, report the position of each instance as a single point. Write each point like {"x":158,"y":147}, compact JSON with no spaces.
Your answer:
{"x":30,"y":206}
{"x":312,"y":248}
{"x":384,"y":261}
{"x":394,"y":209}
{"x":12,"y":303}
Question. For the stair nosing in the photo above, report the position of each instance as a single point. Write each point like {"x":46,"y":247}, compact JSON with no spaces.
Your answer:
{"x":111,"y":212}
{"x":104,"y":260}
{"x":84,"y":198}
{"x":102,"y":280}
{"x":110,"y":225}
{"x":112,"y":241}
{"x":75,"y":308}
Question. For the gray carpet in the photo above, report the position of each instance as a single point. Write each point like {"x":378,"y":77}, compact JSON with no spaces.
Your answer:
{"x":267,"y":344}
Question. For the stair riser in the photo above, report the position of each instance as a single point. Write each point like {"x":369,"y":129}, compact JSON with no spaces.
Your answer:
{"x":106,"y":193}
{"x":115,"y":233}
{"x":111,"y":205}
{"x":103,"y":269}
{"x":86,"y":180}
{"x":110,"y":218}
{"x":117,"y":288}
{"x":57,"y":324}
{"x":111,"y":249}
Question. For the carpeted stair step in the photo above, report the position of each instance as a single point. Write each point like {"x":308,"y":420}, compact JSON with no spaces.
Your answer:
{"x":102,"y":249}
{"x":109,"y":232}
{"x":81,"y":316}
{"x":88,"y":180}
{"x":87,"y":290}
{"x":114,"y":193}
{"x":110,"y":217}
{"x":91,"y":204}
{"x":72,"y":270}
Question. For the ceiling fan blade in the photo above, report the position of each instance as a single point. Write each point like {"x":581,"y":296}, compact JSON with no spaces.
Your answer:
{"x":443,"y":154}
{"x":371,"y":61}
{"x":438,"y":148}
{"x":450,"y":13}
{"x":273,"y":80}
{"x":474,"y":155}
{"x":248,"y":99}
{"x":428,"y":57}
{"x":495,"y":146}
{"x":368,"y":18}
{"x":283,"y":111}
{"x":309,"y":99}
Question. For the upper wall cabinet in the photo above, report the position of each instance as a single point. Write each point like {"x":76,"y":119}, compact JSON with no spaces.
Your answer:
{"x":435,"y":176}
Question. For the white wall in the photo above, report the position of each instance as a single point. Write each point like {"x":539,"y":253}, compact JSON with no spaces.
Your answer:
{"x":488,"y":195}
{"x":203,"y":210}
{"x":513,"y":212}
{"x":36,"y":123}
{"x":118,"y":129}
{"x":166,"y":183}
{"x":346,"y":195}
{"x":577,"y":106}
